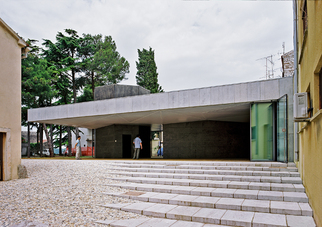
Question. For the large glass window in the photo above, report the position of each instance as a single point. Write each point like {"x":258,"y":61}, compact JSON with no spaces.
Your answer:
{"x":282,"y":129}
{"x":262,"y":131}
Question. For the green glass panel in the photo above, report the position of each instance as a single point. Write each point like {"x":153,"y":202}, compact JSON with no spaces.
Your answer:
{"x":262,"y":131}
{"x":282,"y":129}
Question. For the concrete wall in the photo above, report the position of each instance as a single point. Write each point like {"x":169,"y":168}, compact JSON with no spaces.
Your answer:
{"x":109,"y":140}
{"x":117,"y":91}
{"x":206,"y":139}
{"x":310,"y":64}
{"x":10,"y":99}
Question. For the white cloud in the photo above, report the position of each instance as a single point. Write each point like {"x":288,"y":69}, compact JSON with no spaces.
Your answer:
{"x":196,"y":43}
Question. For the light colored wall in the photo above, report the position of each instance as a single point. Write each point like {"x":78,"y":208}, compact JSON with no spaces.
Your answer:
{"x":10,"y":100}
{"x":310,"y":63}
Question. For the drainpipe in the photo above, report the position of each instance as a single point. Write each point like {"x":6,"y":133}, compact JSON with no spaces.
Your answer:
{"x":295,"y":44}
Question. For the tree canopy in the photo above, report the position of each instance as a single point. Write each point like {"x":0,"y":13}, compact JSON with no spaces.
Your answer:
{"x":68,"y":69}
{"x":147,"y":75}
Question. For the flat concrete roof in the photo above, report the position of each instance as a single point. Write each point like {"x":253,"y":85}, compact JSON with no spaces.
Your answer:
{"x":218,"y":103}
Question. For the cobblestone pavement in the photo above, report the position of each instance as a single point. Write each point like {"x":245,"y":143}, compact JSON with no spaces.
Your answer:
{"x":61,"y":193}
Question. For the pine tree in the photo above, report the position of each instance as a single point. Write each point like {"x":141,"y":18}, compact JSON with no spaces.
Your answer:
{"x":147,"y":75}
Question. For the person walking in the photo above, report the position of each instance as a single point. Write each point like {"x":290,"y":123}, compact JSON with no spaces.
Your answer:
{"x":78,"y":148}
{"x":137,"y":145}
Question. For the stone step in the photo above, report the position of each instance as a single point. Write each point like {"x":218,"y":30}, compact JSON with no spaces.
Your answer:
{"x":215,"y":184}
{"x":299,"y":197}
{"x":204,"y":176}
{"x":265,"y":206}
{"x":156,"y":222}
{"x":208,"y":163}
{"x":207,"y":167}
{"x":213,"y":216}
{"x":215,"y":172}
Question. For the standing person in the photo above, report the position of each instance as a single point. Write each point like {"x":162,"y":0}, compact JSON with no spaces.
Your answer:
{"x":78,"y":148}
{"x":137,"y":145}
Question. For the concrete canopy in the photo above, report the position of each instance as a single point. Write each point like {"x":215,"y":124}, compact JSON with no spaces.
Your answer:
{"x":219,"y":103}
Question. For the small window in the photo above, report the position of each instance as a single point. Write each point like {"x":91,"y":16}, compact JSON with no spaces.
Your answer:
{"x":304,"y":16}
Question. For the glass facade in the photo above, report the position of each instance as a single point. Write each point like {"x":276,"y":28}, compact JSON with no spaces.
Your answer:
{"x":281,"y":118}
{"x":262,"y":142}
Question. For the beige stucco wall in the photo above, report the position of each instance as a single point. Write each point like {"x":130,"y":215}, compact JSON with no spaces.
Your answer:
{"x":10,"y":99}
{"x":310,"y":135}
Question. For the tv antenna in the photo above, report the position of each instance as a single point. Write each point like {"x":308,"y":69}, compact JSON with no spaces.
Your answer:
{"x":269,"y":65}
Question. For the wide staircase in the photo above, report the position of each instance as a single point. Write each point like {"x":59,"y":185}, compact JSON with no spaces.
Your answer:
{"x":211,"y":193}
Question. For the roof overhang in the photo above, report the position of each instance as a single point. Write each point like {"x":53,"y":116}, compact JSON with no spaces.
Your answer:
{"x":219,"y":103}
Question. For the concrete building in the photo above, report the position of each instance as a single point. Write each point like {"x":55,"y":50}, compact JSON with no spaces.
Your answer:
{"x":308,"y":59}
{"x":13,"y":48}
{"x":251,"y":121}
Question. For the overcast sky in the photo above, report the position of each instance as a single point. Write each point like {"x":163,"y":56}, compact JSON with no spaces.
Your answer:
{"x":197,"y":43}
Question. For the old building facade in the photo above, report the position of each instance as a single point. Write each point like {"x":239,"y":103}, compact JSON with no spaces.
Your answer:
{"x":308,"y":35}
{"x":12,"y":50}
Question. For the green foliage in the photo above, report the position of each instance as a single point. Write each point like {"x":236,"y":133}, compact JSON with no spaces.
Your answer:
{"x":101,"y":63}
{"x":68,"y":66}
{"x":63,"y":56}
{"x":147,"y":75}
{"x":86,"y":96}
{"x":37,"y":80}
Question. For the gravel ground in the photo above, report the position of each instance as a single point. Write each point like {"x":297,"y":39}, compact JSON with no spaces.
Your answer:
{"x":61,"y":193}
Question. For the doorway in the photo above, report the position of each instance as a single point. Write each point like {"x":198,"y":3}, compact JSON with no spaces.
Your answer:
{"x":1,"y":156}
{"x":144,"y":132}
{"x":126,"y":146}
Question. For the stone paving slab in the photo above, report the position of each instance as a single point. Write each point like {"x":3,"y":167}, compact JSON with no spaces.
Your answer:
{"x":223,"y":192}
{"x":237,"y":218}
{"x":270,"y":195}
{"x":265,"y":206}
{"x":206,"y":177}
{"x":205,"y":163}
{"x":162,"y":198}
{"x":300,"y":221}
{"x":272,"y":220}
{"x":207,"y":215}
{"x":238,"y":185}
{"x":187,"y":224}
{"x":295,"y":197}
{"x":250,"y":171}
{"x":219,"y":192}
{"x":245,"y":193}
{"x":145,"y":197}
{"x":229,"y":204}
{"x":184,"y":213}
{"x":129,"y":223}
{"x":216,"y":216}
{"x":259,"y":186}
{"x":116,"y":206}
{"x":217,"y":184}
{"x":256,"y":205}
{"x":202,"y":191}
{"x":137,"y":207}
{"x":306,"y":209}
{"x":183,"y":200}
{"x":203,"y":201}
{"x":158,"y":210}
{"x":292,"y":208}
{"x":157,"y":222}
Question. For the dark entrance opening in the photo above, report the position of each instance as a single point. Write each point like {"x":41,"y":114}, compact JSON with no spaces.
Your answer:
{"x":1,"y":156}
{"x":144,"y":132}
{"x":126,"y":146}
